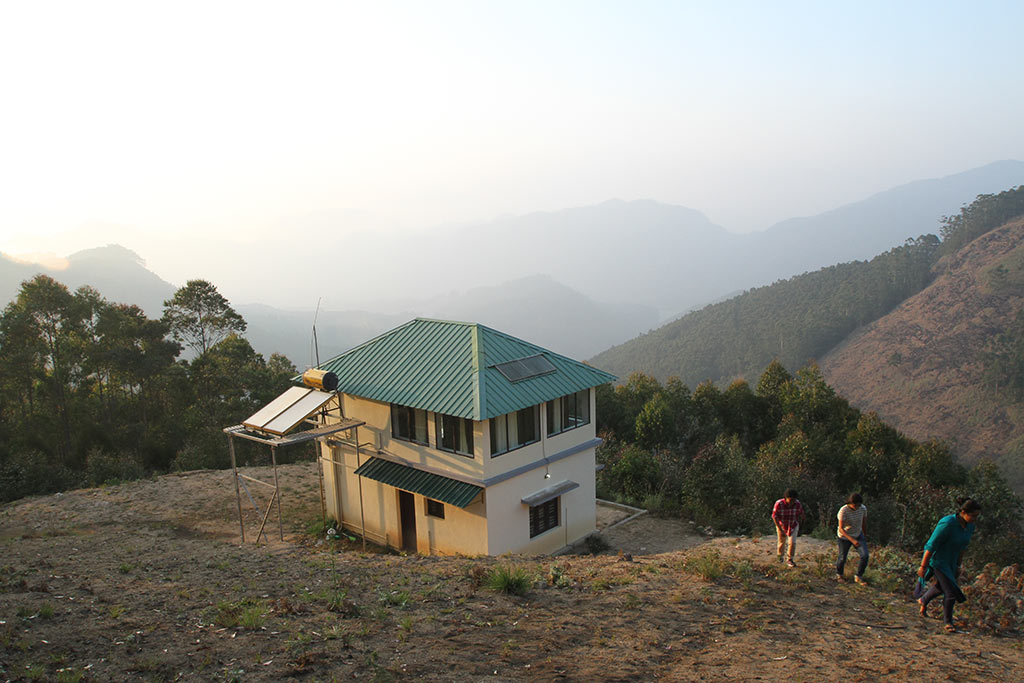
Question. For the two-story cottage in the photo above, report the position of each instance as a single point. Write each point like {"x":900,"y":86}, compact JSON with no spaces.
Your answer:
{"x":479,"y":443}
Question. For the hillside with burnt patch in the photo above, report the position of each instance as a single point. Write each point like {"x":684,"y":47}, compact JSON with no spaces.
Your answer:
{"x":926,"y":367}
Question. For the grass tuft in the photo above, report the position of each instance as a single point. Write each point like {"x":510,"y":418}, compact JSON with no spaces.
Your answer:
{"x":709,"y":565}
{"x":252,"y":618}
{"x":509,"y":580}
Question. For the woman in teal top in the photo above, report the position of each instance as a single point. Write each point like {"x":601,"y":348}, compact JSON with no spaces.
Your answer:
{"x":942,"y":555}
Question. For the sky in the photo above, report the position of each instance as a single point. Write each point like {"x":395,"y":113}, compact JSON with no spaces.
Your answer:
{"x":194,"y":127}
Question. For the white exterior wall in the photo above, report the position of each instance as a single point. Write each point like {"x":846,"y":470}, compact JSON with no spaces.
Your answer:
{"x":508,"y":524}
{"x":508,"y":521}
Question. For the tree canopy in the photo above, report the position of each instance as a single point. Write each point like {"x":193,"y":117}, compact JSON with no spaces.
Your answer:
{"x":92,"y":391}
{"x":721,"y":458}
{"x":200,"y":317}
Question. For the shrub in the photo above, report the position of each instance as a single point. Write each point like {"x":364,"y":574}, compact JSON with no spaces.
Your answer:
{"x":509,"y":580}
{"x":596,"y":544}
{"x":637,"y":474}
{"x":110,"y":468}
{"x":195,"y":456}
{"x":995,"y":599}
{"x":30,"y":473}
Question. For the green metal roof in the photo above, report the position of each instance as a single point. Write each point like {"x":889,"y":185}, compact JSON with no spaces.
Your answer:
{"x":448,"y":367}
{"x":433,"y":486}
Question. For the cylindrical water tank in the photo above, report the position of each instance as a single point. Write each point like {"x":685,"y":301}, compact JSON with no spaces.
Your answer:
{"x":320,"y":379}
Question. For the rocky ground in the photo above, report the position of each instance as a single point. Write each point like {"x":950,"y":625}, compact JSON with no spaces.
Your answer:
{"x":147,"y":580}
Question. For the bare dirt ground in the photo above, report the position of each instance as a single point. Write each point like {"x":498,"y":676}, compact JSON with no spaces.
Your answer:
{"x":147,"y":581}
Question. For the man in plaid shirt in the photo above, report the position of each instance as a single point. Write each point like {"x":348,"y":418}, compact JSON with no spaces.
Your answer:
{"x":787,"y":515}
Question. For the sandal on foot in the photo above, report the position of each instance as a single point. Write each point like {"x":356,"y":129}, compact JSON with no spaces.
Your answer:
{"x":950,"y":628}
{"x":924,"y":609}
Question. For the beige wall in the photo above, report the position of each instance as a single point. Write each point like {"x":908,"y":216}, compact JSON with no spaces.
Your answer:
{"x":496,"y":522}
{"x":461,"y":530}
{"x":377,"y":432}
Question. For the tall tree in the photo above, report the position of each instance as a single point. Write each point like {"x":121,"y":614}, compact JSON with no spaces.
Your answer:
{"x":199,"y":316}
{"x":52,"y":321}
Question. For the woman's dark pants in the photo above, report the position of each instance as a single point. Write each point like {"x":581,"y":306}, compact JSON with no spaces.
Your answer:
{"x":844,"y":550}
{"x":943,"y":586}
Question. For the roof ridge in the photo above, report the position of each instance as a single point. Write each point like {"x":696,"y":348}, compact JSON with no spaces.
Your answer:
{"x":479,"y":364}
{"x":441,"y":320}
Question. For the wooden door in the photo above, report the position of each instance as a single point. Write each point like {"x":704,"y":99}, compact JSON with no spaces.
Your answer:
{"x":407,"y":513}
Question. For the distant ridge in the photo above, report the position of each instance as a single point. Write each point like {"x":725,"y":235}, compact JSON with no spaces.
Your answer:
{"x":118,"y":273}
{"x":674,"y":258}
{"x":863,"y":229}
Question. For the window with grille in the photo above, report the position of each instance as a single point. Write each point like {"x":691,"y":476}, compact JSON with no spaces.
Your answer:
{"x":435,"y":508}
{"x":544,"y":517}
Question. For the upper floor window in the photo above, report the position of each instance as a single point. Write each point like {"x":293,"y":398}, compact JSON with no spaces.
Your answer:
{"x":454,"y":434}
{"x":514,"y":430}
{"x":409,"y":424}
{"x":568,"y":412}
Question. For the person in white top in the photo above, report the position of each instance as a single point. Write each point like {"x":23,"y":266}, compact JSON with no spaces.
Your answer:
{"x":851,"y":532}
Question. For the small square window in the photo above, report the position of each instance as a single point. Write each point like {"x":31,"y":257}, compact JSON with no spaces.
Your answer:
{"x":435,"y":509}
{"x":543,"y":517}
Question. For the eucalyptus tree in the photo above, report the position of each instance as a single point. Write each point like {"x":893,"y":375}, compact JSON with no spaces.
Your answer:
{"x":200,"y":317}
{"x":42,"y":337}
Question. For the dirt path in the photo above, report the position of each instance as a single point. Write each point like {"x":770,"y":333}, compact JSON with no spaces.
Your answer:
{"x":147,"y":581}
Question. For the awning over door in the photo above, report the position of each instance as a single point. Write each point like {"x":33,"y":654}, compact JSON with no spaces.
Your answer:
{"x":433,"y":486}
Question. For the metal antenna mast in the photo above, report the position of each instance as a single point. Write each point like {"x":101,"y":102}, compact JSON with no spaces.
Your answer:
{"x":316,"y":346}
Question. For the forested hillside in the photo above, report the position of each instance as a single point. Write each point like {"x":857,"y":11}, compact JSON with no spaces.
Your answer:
{"x":793,"y":320}
{"x":949,"y":362}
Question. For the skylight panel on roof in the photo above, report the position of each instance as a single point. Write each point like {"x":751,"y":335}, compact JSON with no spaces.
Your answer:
{"x":525,"y":368}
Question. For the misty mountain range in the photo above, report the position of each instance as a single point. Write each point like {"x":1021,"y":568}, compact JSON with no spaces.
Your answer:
{"x":577,"y":281}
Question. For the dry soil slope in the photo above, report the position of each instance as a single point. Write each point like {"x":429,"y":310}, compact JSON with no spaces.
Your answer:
{"x":919,"y":366}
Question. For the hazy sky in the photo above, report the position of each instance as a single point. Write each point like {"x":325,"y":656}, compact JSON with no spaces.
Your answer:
{"x":171,"y":126}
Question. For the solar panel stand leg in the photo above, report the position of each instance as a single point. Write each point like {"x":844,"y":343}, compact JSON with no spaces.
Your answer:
{"x":362,"y":517}
{"x":277,"y":492}
{"x":238,"y":494}
{"x":317,"y":446}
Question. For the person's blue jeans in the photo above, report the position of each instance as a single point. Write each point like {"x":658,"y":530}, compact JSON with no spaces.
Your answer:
{"x":844,"y":550}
